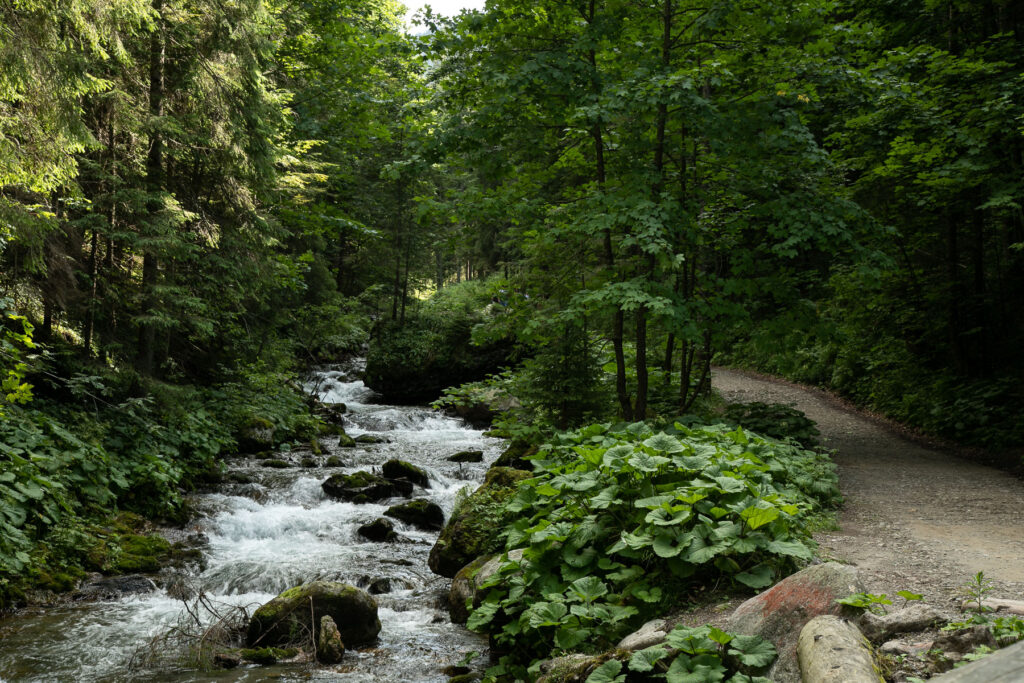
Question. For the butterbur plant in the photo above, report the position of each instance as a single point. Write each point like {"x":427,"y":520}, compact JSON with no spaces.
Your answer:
{"x":695,"y":655}
{"x":621,"y":522}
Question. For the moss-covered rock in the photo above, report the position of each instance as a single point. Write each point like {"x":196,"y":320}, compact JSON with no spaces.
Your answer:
{"x":476,"y":522}
{"x":293,"y":617}
{"x":256,"y":436}
{"x":334,"y":461}
{"x":329,"y":647}
{"x":308,"y":462}
{"x":139,"y":553}
{"x":420,"y":513}
{"x":370,"y":439}
{"x":276,"y":463}
{"x":364,"y":487}
{"x":515,"y":456}
{"x":378,"y":531}
{"x":400,"y":469}
{"x":345,"y":441}
{"x":467,"y":456}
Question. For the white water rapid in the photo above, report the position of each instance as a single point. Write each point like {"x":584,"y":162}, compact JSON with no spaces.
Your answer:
{"x":275,"y":531}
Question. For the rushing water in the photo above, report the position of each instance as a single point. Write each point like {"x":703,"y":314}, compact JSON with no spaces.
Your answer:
{"x":277,"y":531}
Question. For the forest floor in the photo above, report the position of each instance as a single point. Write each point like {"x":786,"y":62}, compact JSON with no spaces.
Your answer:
{"x":915,"y":517}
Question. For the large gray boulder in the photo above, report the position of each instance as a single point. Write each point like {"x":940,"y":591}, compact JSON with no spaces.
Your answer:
{"x":779,"y":613}
{"x":292,"y":616}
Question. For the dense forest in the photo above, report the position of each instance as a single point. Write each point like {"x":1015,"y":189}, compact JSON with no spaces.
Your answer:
{"x":568,"y":210}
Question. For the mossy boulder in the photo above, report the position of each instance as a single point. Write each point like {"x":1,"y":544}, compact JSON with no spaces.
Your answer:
{"x":345,"y":441}
{"x":275,"y":463}
{"x":308,"y":462}
{"x":256,"y":436}
{"x":420,"y":513}
{"x":294,"y":616}
{"x":139,"y":553}
{"x":515,"y":456}
{"x":334,"y":461}
{"x":400,"y":469}
{"x":364,"y":487}
{"x":379,"y":531}
{"x":467,"y":456}
{"x":476,"y":522}
{"x":370,"y":439}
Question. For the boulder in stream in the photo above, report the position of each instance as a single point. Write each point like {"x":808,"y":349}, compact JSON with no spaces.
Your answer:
{"x":364,"y":487}
{"x":345,"y":441}
{"x":476,"y":522}
{"x":420,"y":513}
{"x":467,"y":456}
{"x":294,"y":616}
{"x":329,"y":646}
{"x":379,"y":531}
{"x":257,"y":436}
{"x":400,"y":469}
{"x":370,"y":439}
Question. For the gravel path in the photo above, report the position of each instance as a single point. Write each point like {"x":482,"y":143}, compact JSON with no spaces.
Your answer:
{"x":915,"y":518}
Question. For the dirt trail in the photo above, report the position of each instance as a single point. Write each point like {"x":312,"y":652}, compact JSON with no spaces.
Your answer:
{"x":914,"y":518}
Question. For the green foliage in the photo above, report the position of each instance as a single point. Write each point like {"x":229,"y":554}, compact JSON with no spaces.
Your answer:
{"x":623,"y":519}
{"x":775,"y":420}
{"x":434,"y":347}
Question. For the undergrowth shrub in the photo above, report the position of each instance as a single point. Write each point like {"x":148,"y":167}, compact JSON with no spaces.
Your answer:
{"x":621,"y":522}
{"x":776,"y":420}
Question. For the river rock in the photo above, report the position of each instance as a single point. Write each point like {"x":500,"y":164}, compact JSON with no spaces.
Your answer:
{"x":780,"y":612}
{"x":833,"y":650}
{"x":466,"y":584}
{"x":379,"y":531}
{"x":275,"y":463}
{"x":467,"y":456}
{"x":111,"y":587}
{"x":476,"y":523}
{"x":380,"y":586}
{"x":400,"y":469}
{"x":916,"y":616}
{"x":256,"y":437}
{"x":420,"y":513}
{"x":329,"y":647}
{"x":291,"y":617}
{"x":1000,"y":605}
{"x":370,"y":439}
{"x":334,"y":461}
{"x":345,"y":441}
{"x":226,"y":660}
{"x":364,"y":487}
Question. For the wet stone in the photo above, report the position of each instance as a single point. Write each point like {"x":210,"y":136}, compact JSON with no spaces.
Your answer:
{"x":467,"y":456}
{"x":364,"y":487}
{"x":420,"y":513}
{"x":400,"y":469}
{"x":379,"y":531}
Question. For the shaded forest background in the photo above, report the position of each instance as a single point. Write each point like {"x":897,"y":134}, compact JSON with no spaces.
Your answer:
{"x":199,"y":199}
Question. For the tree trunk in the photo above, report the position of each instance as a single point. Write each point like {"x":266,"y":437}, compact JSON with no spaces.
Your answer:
{"x":154,"y":182}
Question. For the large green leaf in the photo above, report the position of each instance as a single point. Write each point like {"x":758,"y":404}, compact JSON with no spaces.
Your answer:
{"x":607,"y":673}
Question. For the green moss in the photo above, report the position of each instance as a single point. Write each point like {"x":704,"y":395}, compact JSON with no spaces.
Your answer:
{"x":314,"y":446}
{"x":59,"y":581}
{"x":334,"y":461}
{"x":137,"y":553}
{"x":276,"y":463}
{"x":345,"y":441}
{"x":259,"y":423}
